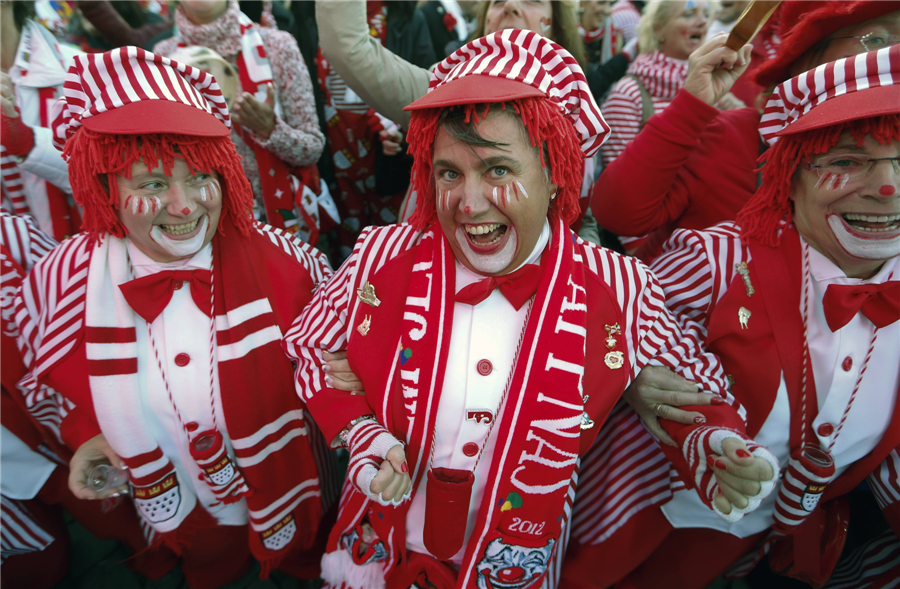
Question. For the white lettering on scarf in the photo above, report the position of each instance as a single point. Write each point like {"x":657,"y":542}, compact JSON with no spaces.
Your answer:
{"x":545,"y":453}
{"x":409,"y":379}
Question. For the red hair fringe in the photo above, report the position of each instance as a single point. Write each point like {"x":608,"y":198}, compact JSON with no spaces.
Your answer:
{"x":545,"y":124}
{"x":770,"y":207}
{"x":94,"y":155}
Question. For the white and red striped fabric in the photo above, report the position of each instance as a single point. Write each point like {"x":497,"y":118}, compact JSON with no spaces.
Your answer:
{"x":652,"y":336}
{"x":527,"y":57}
{"x":796,"y":97}
{"x":14,"y":199}
{"x":662,"y":76}
{"x":625,"y":17}
{"x":20,"y":533}
{"x":100,"y":82}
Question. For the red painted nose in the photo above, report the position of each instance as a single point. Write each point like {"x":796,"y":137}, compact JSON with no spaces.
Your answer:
{"x":511,"y":574}
{"x":185,"y":211}
{"x":886,"y":190}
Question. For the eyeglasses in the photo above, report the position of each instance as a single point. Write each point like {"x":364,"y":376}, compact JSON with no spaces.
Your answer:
{"x":851,"y":166}
{"x":874,"y":41}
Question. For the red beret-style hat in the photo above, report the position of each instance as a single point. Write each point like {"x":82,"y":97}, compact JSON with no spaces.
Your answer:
{"x":513,"y":64}
{"x":858,"y":87}
{"x":803,"y":23}
{"x":130,"y":91}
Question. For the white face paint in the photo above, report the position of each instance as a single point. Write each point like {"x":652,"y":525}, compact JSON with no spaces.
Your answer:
{"x":181,"y":248}
{"x":521,"y":189}
{"x":833,"y":181}
{"x":494,"y":262}
{"x":859,"y":247}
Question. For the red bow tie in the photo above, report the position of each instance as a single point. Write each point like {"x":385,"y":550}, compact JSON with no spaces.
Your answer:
{"x":880,"y":303}
{"x":517,"y":287}
{"x":148,"y":296}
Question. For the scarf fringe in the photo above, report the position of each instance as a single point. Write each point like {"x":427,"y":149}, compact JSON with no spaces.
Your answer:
{"x":180,"y":538}
{"x":770,"y":208}
{"x":338,"y":569}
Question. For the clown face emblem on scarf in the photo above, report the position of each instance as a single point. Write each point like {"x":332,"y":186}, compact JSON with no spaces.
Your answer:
{"x":811,"y":496}
{"x":158,"y":502}
{"x":506,"y":566}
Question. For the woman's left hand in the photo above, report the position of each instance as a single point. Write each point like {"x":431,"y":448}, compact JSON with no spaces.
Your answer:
{"x":657,"y":392}
{"x":257,"y":116}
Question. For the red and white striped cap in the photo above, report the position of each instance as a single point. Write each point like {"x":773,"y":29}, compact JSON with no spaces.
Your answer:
{"x":857,"y":87}
{"x":129,"y":91}
{"x":513,"y":64}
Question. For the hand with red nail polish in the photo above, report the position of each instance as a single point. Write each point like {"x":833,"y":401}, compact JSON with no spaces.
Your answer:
{"x":378,"y":465}
{"x":740,"y":474}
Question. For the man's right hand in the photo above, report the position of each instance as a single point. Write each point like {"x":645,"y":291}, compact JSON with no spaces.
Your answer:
{"x":93,"y":452}
{"x":713,"y":69}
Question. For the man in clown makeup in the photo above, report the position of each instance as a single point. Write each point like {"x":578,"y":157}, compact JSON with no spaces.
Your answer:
{"x":154,"y":336}
{"x":491,"y":342}
{"x":800,"y":298}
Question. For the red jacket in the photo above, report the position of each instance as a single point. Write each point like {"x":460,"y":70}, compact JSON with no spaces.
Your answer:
{"x":692,"y":166}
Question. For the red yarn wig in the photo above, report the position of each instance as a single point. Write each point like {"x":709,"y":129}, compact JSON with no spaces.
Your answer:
{"x":547,"y":128}
{"x":771,"y":206}
{"x":95,"y":159}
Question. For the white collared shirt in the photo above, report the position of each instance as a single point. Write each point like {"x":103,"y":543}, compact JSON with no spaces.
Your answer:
{"x":489,"y":331}
{"x":186,"y":339}
{"x":835,"y":379}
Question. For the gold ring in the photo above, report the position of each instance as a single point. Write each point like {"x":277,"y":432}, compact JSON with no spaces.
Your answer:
{"x":656,"y":407}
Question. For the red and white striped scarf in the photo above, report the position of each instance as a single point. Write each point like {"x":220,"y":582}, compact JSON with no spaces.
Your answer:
{"x":663,"y":76}
{"x":265,"y":419}
{"x":520,"y":520}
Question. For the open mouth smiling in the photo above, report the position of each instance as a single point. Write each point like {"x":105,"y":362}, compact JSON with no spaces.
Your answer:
{"x":485,"y":234}
{"x":180,"y":229}
{"x":872,"y":223}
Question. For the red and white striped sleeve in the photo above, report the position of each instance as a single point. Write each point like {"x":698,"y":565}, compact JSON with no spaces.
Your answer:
{"x":885,"y":484}
{"x":322,"y":327}
{"x":622,"y":111}
{"x":26,"y":243}
{"x":695,"y":271}
{"x":49,"y":313}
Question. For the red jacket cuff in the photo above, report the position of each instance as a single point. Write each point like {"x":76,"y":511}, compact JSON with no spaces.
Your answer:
{"x":78,"y":427}
{"x":332,"y":410}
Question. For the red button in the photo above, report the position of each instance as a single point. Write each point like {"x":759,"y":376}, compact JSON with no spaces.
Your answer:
{"x":470,"y":449}
{"x":182,"y":359}
{"x":178,"y":285}
{"x":485,"y":367}
{"x":191,"y":426}
{"x":825,"y":430}
{"x":847,"y":364}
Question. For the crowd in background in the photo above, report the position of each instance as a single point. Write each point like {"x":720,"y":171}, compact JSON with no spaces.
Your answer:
{"x":316,"y":92}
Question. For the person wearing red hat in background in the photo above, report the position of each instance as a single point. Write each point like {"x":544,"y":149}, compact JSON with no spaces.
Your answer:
{"x":493,"y":394}
{"x":703,"y":160}
{"x":800,"y":299}
{"x":34,"y":177}
{"x":35,"y":542}
{"x":155,"y":333}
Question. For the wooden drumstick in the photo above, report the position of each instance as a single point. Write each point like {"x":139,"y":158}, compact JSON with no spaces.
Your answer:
{"x":750,"y":22}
